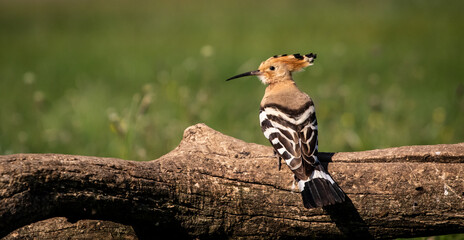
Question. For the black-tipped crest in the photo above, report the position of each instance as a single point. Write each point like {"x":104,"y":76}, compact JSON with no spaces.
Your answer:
{"x":311,"y":55}
{"x":278,"y":56}
{"x":298,"y":56}
{"x":269,"y":70}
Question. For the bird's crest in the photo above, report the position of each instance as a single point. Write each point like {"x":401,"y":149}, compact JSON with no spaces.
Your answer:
{"x":294,"y":62}
{"x":280,"y":67}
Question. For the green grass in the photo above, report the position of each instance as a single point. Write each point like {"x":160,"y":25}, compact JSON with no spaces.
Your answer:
{"x":124,"y":79}
{"x":73,"y":73}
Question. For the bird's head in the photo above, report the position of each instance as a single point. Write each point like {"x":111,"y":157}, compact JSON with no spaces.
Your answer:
{"x":280,"y":67}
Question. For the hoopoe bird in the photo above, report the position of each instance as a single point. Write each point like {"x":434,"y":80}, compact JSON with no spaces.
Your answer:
{"x":288,"y":120}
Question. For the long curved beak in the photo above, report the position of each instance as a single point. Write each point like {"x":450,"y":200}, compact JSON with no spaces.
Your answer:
{"x":252,"y":73}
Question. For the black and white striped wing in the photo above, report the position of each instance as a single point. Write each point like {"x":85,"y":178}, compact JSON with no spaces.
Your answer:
{"x":293,"y":134}
{"x":282,"y":128}
{"x":308,"y":138}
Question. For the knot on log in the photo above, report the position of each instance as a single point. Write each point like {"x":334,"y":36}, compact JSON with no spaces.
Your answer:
{"x":213,"y":185}
{"x":201,"y":138}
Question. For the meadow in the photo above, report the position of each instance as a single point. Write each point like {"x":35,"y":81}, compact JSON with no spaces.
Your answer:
{"x":124,"y":79}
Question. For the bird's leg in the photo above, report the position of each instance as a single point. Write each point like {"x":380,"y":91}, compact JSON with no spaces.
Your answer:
{"x":279,"y":159}
{"x":295,"y":184}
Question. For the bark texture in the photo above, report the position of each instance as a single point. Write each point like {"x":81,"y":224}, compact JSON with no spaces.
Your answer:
{"x":61,"y":228}
{"x":216,"y":186}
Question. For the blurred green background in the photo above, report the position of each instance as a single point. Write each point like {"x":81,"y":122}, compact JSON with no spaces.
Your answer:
{"x":124,"y":79}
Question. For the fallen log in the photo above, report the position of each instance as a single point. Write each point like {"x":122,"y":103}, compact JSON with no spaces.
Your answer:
{"x":216,"y":186}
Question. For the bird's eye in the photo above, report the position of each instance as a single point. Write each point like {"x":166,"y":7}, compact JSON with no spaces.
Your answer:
{"x":272,"y":68}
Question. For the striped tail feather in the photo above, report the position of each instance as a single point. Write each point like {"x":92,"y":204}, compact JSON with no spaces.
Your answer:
{"x":320,"y":189}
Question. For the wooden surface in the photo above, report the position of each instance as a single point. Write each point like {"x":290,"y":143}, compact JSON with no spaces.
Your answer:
{"x":213,"y":186}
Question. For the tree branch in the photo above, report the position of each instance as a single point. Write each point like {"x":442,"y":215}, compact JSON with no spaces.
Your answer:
{"x":213,"y":185}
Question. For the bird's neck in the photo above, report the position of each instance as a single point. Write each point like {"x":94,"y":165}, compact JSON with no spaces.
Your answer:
{"x":285,"y":84}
